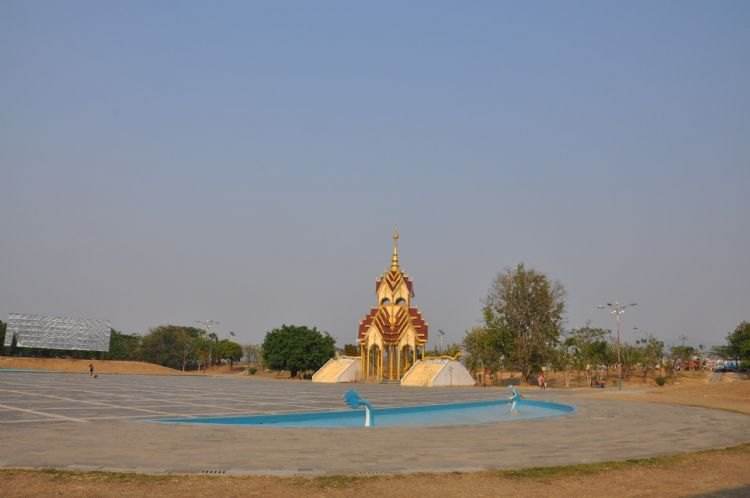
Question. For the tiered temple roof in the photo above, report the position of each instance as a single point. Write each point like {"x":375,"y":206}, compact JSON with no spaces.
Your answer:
{"x":393,"y":279}
{"x":393,"y":319}
{"x":392,"y":330}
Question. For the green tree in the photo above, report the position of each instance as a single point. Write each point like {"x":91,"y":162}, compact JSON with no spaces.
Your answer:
{"x":632,"y":356}
{"x":588,"y":345}
{"x":200,"y":349}
{"x":587,"y":348}
{"x":228,"y":350}
{"x":351,"y":350}
{"x":453,"y":349}
{"x":525,"y":306}
{"x":651,"y":353}
{"x":682,"y":353}
{"x":124,"y":346}
{"x":297,"y":348}
{"x":448,"y":350}
{"x":3,"y":326}
{"x":738,"y":343}
{"x":171,"y":345}
{"x":722,"y":351}
{"x":484,"y":349}
{"x":213,"y":358}
{"x":562,"y":361}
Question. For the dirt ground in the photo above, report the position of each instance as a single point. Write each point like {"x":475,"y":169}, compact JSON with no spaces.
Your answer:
{"x":70,"y":365}
{"x":731,"y":392}
{"x":698,"y":474}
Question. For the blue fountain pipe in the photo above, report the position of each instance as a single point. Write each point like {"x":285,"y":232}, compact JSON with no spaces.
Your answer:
{"x":515,"y":397}
{"x":353,"y":399}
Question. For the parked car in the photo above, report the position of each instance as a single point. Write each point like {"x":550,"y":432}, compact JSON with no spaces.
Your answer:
{"x":727,"y":366}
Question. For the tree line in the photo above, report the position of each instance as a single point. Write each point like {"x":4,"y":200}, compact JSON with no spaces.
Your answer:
{"x":294,"y":348}
{"x":173,"y":346}
{"x":522,"y":331}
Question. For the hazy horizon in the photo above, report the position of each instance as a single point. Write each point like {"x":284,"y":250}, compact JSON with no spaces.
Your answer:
{"x":247,"y":163}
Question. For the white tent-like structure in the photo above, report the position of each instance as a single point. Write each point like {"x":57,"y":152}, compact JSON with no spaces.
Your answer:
{"x":437,"y":372}
{"x":342,"y":369}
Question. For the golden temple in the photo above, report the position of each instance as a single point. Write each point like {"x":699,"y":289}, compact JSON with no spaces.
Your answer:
{"x":393,"y":334}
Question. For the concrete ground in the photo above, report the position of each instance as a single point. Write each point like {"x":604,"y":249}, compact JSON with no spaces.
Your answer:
{"x":72,"y":421}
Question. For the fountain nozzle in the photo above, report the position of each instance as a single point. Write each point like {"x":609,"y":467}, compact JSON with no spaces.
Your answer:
{"x":353,"y":399}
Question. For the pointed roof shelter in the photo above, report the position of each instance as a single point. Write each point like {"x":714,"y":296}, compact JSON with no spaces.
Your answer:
{"x":393,"y":332}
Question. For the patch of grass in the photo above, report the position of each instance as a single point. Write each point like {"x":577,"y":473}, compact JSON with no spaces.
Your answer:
{"x":352,"y":481}
{"x":95,"y":476}
{"x":339,"y":481}
{"x":584,"y":468}
{"x":595,"y":468}
{"x":740,"y":448}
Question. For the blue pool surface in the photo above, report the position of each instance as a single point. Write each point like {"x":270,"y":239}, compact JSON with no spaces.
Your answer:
{"x":467,"y":413}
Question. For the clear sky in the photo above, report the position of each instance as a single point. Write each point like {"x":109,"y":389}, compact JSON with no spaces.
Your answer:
{"x":167,"y":162}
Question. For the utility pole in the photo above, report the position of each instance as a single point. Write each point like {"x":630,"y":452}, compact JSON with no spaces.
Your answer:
{"x":617,"y":310}
{"x":442,"y":334}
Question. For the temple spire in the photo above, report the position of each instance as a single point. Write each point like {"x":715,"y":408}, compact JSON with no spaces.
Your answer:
{"x":394,"y":257}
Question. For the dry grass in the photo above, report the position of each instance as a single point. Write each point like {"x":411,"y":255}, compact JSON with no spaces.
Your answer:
{"x":704,"y":472}
{"x":69,"y":365}
{"x":693,"y":389}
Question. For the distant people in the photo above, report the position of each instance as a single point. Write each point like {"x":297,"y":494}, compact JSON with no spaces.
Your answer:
{"x":91,"y":369}
{"x":541,"y":381}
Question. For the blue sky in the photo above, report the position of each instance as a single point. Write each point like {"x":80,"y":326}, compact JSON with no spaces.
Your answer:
{"x":246,"y":162}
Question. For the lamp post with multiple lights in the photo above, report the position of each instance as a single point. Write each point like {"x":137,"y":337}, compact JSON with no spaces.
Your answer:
{"x":616,"y":309}
{"x":207,"y":326}
{"x":442,"y":334}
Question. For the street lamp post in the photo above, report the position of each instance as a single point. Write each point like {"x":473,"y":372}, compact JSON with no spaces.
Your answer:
{"x":617,"y":309}
{"x":207,"y":325}
{"x":442,"y":334}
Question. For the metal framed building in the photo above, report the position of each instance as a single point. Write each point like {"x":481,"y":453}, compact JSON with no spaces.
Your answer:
{"x":51,"y":332}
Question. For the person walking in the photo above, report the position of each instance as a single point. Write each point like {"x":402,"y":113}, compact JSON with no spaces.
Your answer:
{"x":541,"y":381}
{"x":91,"y":369}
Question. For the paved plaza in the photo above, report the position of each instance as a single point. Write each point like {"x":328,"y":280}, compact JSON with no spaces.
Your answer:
{"x":27,"y":397}
{"x":77,"y":422}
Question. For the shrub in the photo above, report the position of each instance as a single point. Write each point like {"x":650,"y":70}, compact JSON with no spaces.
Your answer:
{"x":661,"y":380}
{"x":252,"y":371}
{"x":297,"y":349}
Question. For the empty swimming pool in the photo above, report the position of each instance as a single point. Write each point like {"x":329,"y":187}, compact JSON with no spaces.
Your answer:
{"x":466,"y":413}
